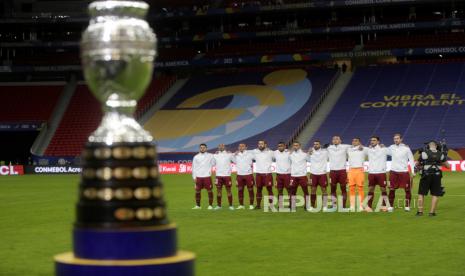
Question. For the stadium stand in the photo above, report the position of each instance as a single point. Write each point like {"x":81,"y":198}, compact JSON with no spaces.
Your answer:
{"x":156,"y":89}
{"x":412,"y":41}
{"x":322,"y":81}
{"x":238,"y":107}
{"x":84,"y":115}
{"x":81,"y":118}
{"x":28,"y":103}
{"x":45,"y":46}
{"x":56,"y":58}
{"x":283,"y":47}
{"x":363,"y":108}
{"x":176,"y":54}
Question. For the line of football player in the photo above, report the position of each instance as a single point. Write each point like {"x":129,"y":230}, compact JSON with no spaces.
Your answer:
{"x":291,"y":172}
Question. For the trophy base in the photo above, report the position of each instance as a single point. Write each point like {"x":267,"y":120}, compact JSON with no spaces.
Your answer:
{"x":125,"y":244}
{"x":181,"y":264}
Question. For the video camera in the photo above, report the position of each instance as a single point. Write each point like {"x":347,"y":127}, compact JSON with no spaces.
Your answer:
{"x":442,"y":149}
{"x":441,"y":146}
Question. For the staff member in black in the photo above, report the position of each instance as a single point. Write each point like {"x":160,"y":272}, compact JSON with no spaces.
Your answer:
{"x":431,"y":159}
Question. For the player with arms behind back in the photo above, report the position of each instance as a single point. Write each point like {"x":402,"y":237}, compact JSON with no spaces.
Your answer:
{"x":201,"y":173}
{"x":222,"y":160}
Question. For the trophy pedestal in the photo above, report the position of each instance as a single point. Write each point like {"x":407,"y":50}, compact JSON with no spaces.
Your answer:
{"x":125,"y":244}
{"x":140,"y":251}
{"x":181,"y":264}
{"x":121,"y":226}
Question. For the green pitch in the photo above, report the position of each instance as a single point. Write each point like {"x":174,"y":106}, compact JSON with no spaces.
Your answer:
{"x":37,"y":212}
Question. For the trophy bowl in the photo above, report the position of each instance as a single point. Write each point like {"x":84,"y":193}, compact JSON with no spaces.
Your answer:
{"x":117,"y":52}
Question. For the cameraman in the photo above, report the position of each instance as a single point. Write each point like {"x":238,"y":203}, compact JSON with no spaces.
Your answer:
{"x":431,"y":158}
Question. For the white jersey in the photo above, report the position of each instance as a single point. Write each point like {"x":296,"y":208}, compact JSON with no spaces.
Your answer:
{"x":337,"y":157}
{"x":319,"y":162}
{"x":222,"y":161}
{"x":357,"y":156}
{"x":401,"y":157}
{"x":244,"y":162}
{"x":283,"y":161}
{"x":263,"y":160}
{"x":377,"y":158}
{"x":299,"y":163}
{"x":202,"y":165}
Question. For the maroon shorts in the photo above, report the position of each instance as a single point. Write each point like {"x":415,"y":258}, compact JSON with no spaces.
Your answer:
{"x":319,"y":180}
{"x":245,"y":180}
{"x":339,"y":176}
{"x":203,"y":183}
{"x":283,"y":180}
{"x":399,"y":180}
{"x":264,"y":180}
{"x":223,"y":180}
{"x":297,"y":181}
{"x":377,"y":179}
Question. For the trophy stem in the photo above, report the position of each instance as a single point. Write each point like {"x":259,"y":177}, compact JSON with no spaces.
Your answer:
{"x":118,"y":127}
{"x":114,"y":103}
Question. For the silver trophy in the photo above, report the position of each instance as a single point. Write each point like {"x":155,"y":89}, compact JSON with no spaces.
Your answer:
{"x":121,"y":225}
{"x":118,"y":50}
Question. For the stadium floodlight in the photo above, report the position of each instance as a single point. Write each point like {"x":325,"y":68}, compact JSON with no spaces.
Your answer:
{"x":121,"y":225}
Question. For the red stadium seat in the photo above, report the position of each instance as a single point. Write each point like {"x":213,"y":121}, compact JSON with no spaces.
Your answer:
{"x":84,"y":115}
{"x":28,"y":103}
